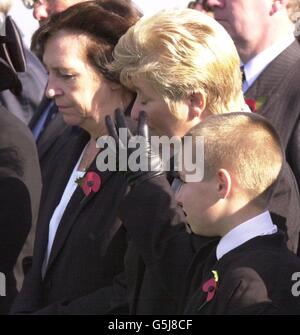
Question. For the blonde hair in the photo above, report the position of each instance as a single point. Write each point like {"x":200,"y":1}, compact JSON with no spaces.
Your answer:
{"x":246,"y":145}
{"x":180,"y":52}
{"x":5,"y":6}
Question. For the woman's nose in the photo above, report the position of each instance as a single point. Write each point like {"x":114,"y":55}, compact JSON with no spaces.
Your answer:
{"x":52,"y":90}
{"x":135,"y":112}
{"x":40,"y":11}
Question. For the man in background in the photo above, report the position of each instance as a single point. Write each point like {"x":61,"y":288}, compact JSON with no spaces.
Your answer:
{"x":33,"y":81}
{"x":264,"y":36}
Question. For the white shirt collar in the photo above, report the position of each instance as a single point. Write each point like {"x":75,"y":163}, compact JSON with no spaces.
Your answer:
{"x":259,"y":225}
{"x":258,"y":63}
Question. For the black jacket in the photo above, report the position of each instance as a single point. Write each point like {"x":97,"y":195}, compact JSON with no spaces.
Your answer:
{"x":89,"y":246}
{"x":255,"y":278}
{"x":160,"y":249}
{"x":15,"y":222}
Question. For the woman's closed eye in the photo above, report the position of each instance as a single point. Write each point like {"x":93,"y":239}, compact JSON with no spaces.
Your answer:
{"x":142,"y":99}
{"x":67,"y":76}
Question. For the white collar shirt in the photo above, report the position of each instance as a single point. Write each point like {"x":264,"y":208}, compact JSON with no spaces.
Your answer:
{"x":255,"y":66}
{"x":258,"y":226}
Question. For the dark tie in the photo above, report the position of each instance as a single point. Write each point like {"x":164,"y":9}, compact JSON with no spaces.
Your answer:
{"x":243,"y":74}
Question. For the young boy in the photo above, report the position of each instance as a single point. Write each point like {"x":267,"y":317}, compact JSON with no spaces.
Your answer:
{"x":250,"y":270}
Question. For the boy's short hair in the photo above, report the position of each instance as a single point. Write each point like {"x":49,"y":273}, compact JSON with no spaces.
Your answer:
{"x":246,"y":145}
{"x":181,"y":52}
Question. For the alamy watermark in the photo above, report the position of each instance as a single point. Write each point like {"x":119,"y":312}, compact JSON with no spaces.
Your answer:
{"x":186,"y":155}
{"x":296,"y":286}
{"x":2,"y":285}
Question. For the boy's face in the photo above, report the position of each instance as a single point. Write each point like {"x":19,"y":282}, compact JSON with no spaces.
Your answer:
{"x":160,"y":119}
{"x":201,"y":205}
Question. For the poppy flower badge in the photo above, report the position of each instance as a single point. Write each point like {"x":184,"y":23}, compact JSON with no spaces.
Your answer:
{"x":210,"y":288}
{"x":255,"y":105}
{"x":90,"y":183}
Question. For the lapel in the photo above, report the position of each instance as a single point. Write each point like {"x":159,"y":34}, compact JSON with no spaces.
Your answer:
{"x":200,"y":272}
{"x":54,"y":186}
{"x":75,"y":206}
{"x":266,"y":85}
{"x":206,"y":249}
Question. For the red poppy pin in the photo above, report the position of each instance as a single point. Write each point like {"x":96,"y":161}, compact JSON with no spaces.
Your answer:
{"x":89,"y":183}
{"x":254,"y":105}
{"x":210,"y":286}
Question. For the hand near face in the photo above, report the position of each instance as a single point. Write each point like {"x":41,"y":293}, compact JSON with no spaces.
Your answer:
{"x":149,"y":163}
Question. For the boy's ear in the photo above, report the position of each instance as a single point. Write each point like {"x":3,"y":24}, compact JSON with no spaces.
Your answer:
{"x":224,"y":183}
{"x":197,"y":104}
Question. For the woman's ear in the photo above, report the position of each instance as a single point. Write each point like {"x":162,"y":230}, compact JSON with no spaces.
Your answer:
{"x":197,"y":104}
{"x":224,"y":183}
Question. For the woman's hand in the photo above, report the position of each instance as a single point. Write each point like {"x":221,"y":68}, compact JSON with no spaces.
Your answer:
{"x":147,"y":164}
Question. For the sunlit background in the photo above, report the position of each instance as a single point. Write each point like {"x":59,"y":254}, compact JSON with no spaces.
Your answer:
{"x":27,"y":24}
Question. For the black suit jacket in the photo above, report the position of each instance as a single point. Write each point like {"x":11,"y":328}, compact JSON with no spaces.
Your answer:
{"x":255,"y":278}
{"x":279,"y":83}
{"x":158,"y":254}
{"x":160,"y":250}
{"x":89,"y":246}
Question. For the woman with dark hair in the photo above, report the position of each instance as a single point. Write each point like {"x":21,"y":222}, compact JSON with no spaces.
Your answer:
{"x":80,"y":242}
{"x":15,"y":221}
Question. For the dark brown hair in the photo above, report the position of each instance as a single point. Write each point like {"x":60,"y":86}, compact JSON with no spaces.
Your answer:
{"x":103,"y":21}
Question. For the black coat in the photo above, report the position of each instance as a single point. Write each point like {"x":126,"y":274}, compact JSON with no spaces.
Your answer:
{"x":89,"y":246}
{"x":15,"y":222}
{"x":254,"y":278}
{"x":160,"y":250}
